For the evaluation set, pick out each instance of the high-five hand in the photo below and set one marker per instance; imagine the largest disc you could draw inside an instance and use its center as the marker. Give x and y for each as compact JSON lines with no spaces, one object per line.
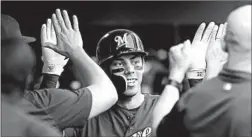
{"x":53,"y":62}
{"x":68,"y":37}
{"x":215,"y":56}
{"x":180,"y":60}
{"x":200,"y":44}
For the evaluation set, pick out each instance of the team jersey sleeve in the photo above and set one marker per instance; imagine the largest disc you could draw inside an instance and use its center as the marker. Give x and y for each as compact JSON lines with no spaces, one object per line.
{"x":68,"y":108}
{"x":40,"y":129}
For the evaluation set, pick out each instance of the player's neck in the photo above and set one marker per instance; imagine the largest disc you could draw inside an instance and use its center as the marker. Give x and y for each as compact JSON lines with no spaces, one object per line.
{"x":239,"y":64}
{"x":131,"y":102}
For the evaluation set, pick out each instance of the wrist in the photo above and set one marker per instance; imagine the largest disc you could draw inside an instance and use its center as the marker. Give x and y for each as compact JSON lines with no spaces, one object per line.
{"x":76,"y":52}
{"x":177,"y":75}
{"x":195,"y":73}
{"x":211,"y":72}
{"x":54,"y":69}
{"x":174,"y":83}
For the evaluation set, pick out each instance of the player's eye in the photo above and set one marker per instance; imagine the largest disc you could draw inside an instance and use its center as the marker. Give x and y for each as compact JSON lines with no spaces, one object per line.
{"x":117,"y":67}
{"x":117,"y":64}
{"x":137,"y":63}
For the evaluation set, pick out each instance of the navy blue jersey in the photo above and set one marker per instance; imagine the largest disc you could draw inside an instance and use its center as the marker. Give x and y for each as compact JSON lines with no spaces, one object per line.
{"x":118,"y":122}
{"x":61,"y":108}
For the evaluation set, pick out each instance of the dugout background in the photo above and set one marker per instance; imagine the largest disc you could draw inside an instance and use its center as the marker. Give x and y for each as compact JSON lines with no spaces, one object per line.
{"x":159,"y":24}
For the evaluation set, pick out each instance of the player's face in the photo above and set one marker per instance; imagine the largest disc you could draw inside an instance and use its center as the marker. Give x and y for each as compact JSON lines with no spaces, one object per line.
{"x":130,"y":67}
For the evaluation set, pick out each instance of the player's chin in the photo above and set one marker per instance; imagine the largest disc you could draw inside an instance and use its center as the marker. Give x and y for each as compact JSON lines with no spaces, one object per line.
{"x":130,"y":92}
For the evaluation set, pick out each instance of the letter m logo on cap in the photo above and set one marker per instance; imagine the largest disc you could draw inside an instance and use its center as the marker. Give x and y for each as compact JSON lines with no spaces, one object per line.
{"x":126,"y":41}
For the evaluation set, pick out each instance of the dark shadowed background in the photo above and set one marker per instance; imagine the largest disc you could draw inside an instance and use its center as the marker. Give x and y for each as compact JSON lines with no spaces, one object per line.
{"x":159,"y":24}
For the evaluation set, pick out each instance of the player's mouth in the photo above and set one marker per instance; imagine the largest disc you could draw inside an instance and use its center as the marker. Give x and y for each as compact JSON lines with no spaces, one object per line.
{"x":131,"y":81}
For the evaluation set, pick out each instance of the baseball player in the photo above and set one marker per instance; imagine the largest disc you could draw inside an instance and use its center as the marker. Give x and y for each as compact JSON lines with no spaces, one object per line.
{"x":63,"y":108}
{"x":120,"y":52}
{"x":17,"y":61}
{"x":220,"y":106}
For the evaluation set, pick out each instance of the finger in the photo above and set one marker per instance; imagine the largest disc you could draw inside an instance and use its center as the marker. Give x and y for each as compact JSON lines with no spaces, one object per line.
{"x":61,"y":20}
{"x":56,"y":24}
{"x":179,"y":46}
{"x":43,"y":34}
{"x":75,"y":23}
{"x":177,"y":49}
{"x":224,"y":29}
{"x":187,"y":45}
{"x":48,"y":28}
{"x":208,"y":31}
{"x":67,"y":20}
{"x":172,"y":49}
{"x":220,"y":32}
{"x":199,"y":32}
{"x":214,"y":33}
{"x":53,"y":32}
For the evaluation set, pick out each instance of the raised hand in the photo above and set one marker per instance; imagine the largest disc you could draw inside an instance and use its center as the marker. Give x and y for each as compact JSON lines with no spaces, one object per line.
{"x":68,"y":37}
{"x":53,"y":62}
{"x":180,"y":60}
{"x":215,"y":56}
{"x":200,"y":44}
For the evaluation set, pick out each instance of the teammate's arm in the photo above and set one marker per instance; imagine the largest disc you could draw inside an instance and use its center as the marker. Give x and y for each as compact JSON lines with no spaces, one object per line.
{"x":53,"y":62}
{"x":172,"y":125}
{"x":74,"y":108}
{"x":180,"y":60}
{"x":40,"y":129}
{"x":197,"y":69}
{"x":69,"y":43}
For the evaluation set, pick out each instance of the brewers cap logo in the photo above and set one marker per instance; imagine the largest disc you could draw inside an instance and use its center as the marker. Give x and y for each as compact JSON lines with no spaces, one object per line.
{"x":118,"y":42}
{"x":126,"y":41}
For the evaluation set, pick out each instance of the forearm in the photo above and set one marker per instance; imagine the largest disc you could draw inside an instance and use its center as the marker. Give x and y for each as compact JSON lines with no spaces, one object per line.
{"x":172,"y":125}
{"x":89,"y":71}
{"x":49,"y":81}
{"x":167,"y":100}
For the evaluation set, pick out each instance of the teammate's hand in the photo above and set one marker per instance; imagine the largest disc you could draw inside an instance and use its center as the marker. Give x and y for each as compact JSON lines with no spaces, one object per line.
{"x":199,"y":46}
{"x":215,"y":56}
{"x":180,"y":60}
{"x":68,"y":37}
{"x":53,"y":62}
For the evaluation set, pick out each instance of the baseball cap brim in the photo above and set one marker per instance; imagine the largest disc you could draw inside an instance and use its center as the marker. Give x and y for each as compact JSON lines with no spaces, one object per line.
{"x":28,"y":39}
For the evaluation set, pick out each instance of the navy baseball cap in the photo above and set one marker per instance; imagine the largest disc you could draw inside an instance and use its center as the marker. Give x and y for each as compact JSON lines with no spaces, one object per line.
{"x":10,"y":30}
